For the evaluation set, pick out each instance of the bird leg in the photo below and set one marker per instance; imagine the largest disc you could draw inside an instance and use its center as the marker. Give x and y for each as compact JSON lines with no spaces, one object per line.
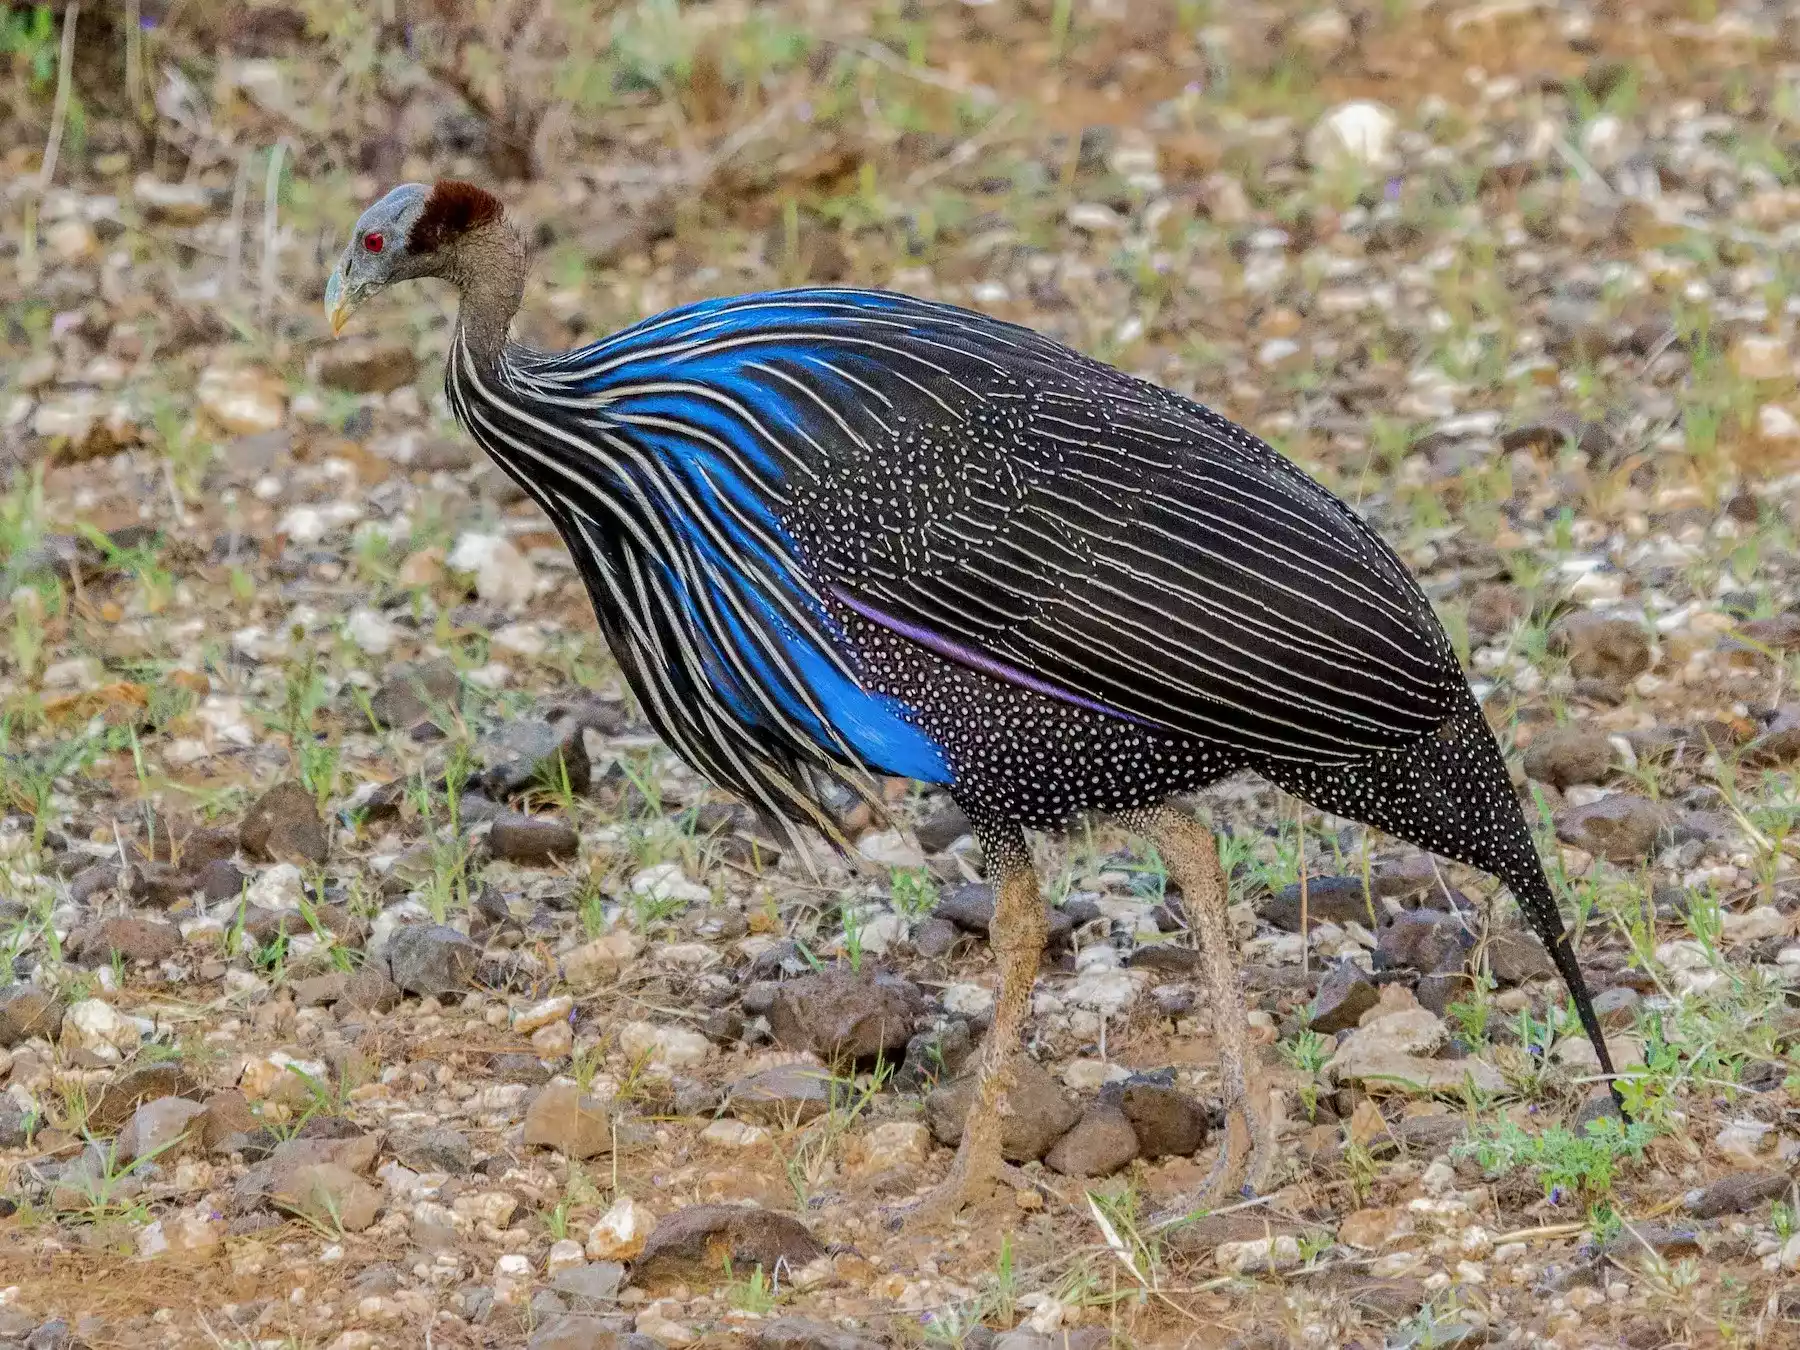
{"x":1017,"y":935}
{"x":1188,"y":851}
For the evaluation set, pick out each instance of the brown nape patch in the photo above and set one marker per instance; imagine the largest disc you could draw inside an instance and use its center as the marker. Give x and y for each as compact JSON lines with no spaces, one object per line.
{"x":451,"y":211}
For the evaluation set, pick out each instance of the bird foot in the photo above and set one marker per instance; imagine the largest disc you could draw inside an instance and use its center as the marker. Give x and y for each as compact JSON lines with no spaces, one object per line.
{"x":963,"y":1189}
{"x":1242,"y":1169}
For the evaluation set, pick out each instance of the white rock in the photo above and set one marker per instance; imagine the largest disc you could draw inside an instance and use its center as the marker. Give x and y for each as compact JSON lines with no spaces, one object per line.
{"x":594,"y":962}
{"x":281,"y":888}
{"x":370,"y":630}
{"x":688,"y":955}
{"x":543,"y":1014}
{"x":1576,"y":1052}
{"x":512,"y":1279}
{"x":1097,"y":956}
{"x":658,"y":1326}
{"x":1746,"y":1140}
{"x":1095,"y":218}
{"x":1776,"y":423}
{"x":1087,"y":1075}
{"x":891,"y":848}
{"x":1790,"y":1253}
{"x":968,"y":1000}
{"x":565,"y":1254}
{"x":309,"y":524}
{"x":1105,"y":991}
{"x":72,"y":241}
{"x":1765,"y":921}
{"x":243,"y":401}
{"x":666,"y":881}
{"x":1258,"y":1254}
{"x":880,"y":932}
{"x":521,"y":639}
{"x":97,"y":1027}
{"x":667,"y":1047}
{"x":618,"y":1234}
{"x":729,"y":1133}
{"x":223,"y":715}
{"x":503,"y":575}
{"x":895,"y":1143}
{"x":1358,"y":134}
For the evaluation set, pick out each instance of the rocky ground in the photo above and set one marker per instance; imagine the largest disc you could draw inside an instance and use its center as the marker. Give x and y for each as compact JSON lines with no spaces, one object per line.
{"x":378,"y":980}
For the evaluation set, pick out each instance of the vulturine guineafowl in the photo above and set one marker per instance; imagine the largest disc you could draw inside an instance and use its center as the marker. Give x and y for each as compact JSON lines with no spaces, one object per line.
{"x":832,"y":533}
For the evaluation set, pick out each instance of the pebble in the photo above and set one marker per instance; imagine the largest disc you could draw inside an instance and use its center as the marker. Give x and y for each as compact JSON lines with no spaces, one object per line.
{"x":1355,"y":135}
{"x":503,"y":575}
{"x":619,"y":1234}
{"x":576,"y":1126}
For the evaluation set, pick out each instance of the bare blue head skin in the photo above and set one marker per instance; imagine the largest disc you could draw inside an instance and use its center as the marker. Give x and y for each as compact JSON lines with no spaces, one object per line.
{"x":378,"y":252}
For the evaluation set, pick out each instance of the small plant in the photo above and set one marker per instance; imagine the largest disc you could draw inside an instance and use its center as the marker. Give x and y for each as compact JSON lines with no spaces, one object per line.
{"x":1566,"y":1163}
{"x":753,"y":1294}
{"x":1309,"y":1052}
{"x":913,"y":892}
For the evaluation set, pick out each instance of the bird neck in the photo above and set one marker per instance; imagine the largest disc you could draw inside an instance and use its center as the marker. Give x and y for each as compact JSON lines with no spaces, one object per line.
{"x":488,"y":271}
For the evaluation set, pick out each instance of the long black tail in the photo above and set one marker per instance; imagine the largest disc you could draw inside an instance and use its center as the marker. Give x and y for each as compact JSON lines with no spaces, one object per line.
{"x":1450,"y":793}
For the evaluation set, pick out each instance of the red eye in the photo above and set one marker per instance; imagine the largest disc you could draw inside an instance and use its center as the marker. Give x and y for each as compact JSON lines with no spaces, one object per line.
{"x":373,"y":241}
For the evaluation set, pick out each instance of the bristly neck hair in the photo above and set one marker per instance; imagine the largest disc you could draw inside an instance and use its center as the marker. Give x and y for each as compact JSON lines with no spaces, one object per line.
{"x":483,"y":256}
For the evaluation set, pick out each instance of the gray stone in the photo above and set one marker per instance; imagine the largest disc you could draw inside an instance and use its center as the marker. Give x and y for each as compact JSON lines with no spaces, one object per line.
{"x":590,"y":1286}
{"x":803,"y":1333}
{"x":411,"y":693}
{"x":441,"y":1149}
{"x":1621,"y":828}
{"x":1345,"y":994}
{"x":790,"y":1094}
{"x":1328,"y":900}
{"x":432,"y":958}
{"x":535,"y":752}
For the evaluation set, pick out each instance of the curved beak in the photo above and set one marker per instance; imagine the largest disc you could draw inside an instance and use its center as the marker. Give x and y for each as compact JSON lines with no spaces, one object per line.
{"x":339,"y":302}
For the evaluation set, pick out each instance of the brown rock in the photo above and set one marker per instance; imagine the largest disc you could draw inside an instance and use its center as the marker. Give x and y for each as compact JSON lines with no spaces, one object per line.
{"x":327,"y":1194}
{"x":227,"y":1114}
{"x":1515,"y":957}
{"x":1779,"y":741}
{"x":319,"y":991}
{"x":25,"y":1011}
{"x":1738,"y":1193}
{"x":1100,"y":1144}
{"x":560,"y":1118}
{"x":693,"y":1244}
{"x":1039,"y":1112}
{"x":133,"y":1088}
{"x":1603,"y":647}
{"x":532,"y":840}
{"x":134,"y":939}
{"x":284,"y":826}
{"x":366,"y":366}
{"x":577,"y":1331}
{"x":1565,"y":755}
{"x":1621,"y":828}
{"x":1167,"y":1122}
{"x":1495,"y":608}
{"x":369,"y":988}
{"x":845,"y":1017}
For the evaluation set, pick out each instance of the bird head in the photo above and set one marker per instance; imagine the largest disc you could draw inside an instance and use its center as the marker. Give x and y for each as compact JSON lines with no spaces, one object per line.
{"x":414,"y":231}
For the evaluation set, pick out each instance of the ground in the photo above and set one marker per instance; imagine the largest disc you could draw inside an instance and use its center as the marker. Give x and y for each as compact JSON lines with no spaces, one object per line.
{"x":378,"y":979}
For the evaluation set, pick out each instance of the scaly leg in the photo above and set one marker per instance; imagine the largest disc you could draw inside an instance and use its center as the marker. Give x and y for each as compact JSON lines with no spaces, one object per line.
{"x":1188,"y":851}
{"x":1017,"y":935}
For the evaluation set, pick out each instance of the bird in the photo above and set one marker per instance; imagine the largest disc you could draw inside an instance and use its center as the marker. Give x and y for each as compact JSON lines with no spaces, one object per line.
{"x":833,"y":533}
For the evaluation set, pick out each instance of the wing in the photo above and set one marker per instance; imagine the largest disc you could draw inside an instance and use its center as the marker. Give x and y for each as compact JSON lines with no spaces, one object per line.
{"x":1034,"y":514}
{"x":1059,"y":524}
